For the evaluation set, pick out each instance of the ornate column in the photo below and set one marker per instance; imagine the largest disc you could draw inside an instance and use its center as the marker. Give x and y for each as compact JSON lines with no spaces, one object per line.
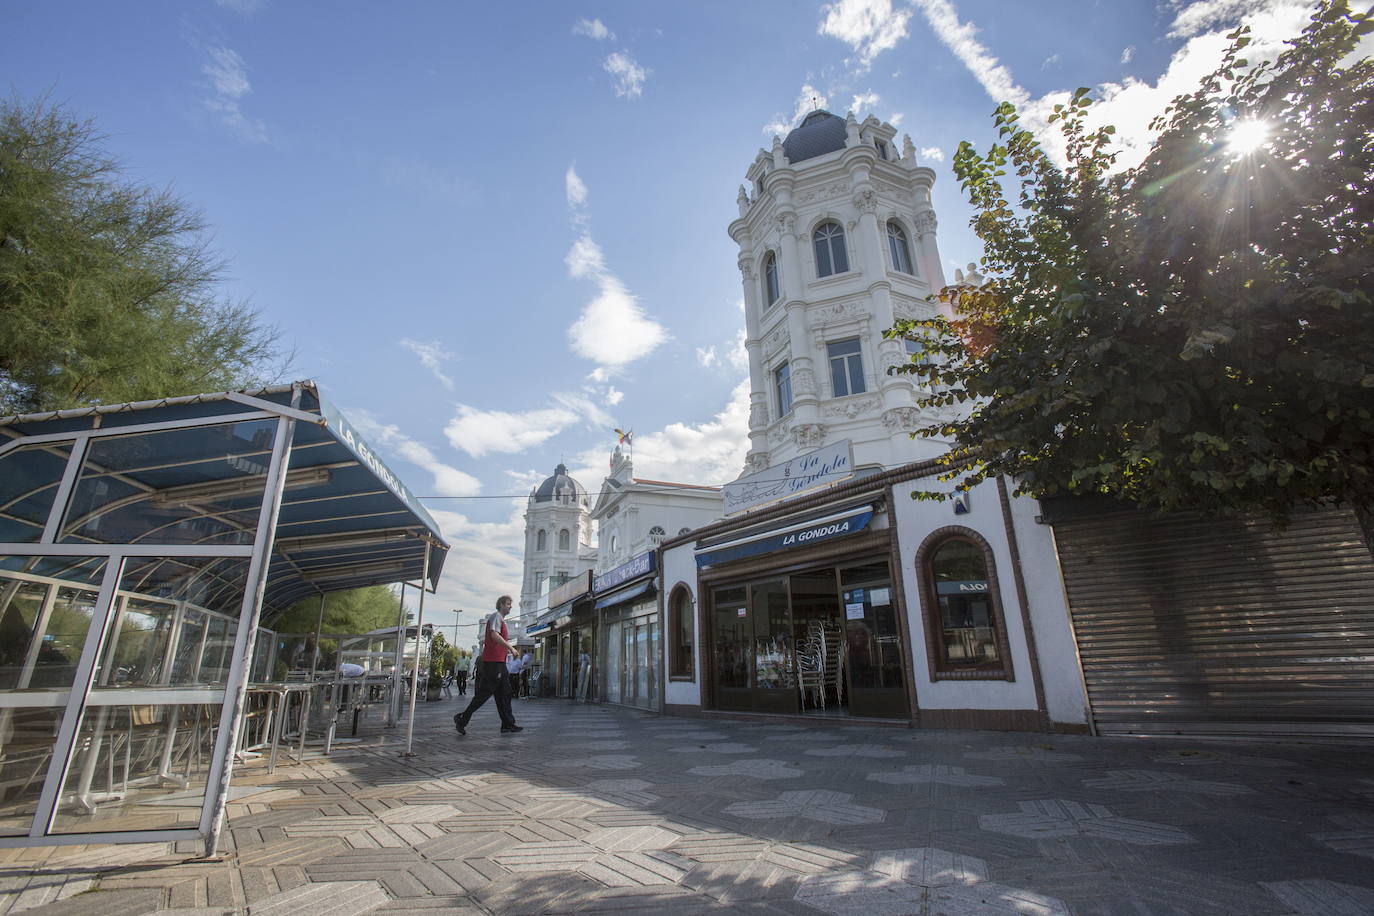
{"x":928,"y":251}
{"x":758,"y":387}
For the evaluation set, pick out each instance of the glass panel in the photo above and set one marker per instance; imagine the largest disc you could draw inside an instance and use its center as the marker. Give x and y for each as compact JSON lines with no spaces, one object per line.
{"x":823,"y":265}
{"x":784,"y":384}
{"x":682,"y":628}
{"x":29,"y":477}
{"x":732,"y":648}
{"x":968,"y":625}
{"x":614,"y":658}
{"x":773,"y":668}
{"x":837,"y":251}
{"x":643,"y":665}
{"x":44,"y":624}
{"x":875,"y":649}
{"x":200,"y":485}
{"x":147,"y":731}
{"x":139,"y":766}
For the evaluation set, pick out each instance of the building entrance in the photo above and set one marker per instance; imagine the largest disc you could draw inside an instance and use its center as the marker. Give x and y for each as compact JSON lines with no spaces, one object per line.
{"x":816,"y":642}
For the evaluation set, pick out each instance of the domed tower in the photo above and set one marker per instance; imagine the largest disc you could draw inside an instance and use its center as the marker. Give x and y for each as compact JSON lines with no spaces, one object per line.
{"x":836,"y":239}
{"x":558,"y":535}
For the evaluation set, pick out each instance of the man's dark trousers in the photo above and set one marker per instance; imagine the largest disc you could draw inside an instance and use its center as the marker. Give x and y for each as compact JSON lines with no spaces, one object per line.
{"x":492,"y":678}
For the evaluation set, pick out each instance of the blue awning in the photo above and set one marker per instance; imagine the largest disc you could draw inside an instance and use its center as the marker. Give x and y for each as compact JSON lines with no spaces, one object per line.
{"x":626,"y":594}
{"x":798,"y":535}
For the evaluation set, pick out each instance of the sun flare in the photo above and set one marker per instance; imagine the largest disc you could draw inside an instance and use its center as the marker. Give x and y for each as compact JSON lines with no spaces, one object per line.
{"x":1247,"y":137}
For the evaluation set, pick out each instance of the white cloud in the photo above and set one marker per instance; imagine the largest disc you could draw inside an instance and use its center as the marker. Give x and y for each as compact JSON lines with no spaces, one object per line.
{"x":432,"y":355}
{"x":896,"y":119}
{"x":1127,"y":54}
{"x":707,"y":356}
{"x":1051,"y":61}
{"x":1131,"y":104}
{"x":229,"y":84}
{"x":574,"y":188}
{"x":933,"y":153}
{"x":478,"y":432}
{"x":733,"y":355}
{"x":808,"y":99}
{"x":612,"y":330}
{"x":448,"y":480}
{"x":707,"y":453}
{"x":485,"y":560}
{"x":629,"y":75}
{"x":593,"y":29}
{"x":613,"y":395}
{"x":869,"y":27}
{"x":864,"y":102}
{"x":738,"y":355}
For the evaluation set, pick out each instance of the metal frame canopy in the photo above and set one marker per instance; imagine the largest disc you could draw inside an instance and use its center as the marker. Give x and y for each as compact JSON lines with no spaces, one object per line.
{"x":140,"y":547}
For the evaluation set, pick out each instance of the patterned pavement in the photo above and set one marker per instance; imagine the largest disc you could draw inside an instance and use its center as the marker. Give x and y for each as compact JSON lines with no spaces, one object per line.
{"x":599,"y":809}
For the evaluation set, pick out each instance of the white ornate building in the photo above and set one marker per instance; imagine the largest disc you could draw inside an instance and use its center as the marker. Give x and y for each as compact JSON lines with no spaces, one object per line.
{"x":558,"y":536}
{"x":836,"y":239}
{"x":633,"y":515}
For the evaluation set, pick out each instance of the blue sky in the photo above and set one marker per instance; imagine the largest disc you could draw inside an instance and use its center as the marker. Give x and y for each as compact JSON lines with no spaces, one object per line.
{"x":493,"y":232}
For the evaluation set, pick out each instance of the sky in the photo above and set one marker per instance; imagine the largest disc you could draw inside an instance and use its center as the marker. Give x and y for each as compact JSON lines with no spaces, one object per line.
{"x":494,"y":232}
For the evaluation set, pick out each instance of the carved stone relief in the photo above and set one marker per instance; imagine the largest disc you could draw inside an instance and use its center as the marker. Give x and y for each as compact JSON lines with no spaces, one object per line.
{"x":746,"y":268}
{"x":787,"y":223}
{"x":755,"y":462}
{"x":866,"y":201}
{"x":835,"y":314}
{"x":758,"y":415}
{"x":823,"y":193}
{"x":904,"y":419}
{"x":853,"y":409}
{"x":808,"y":435}
{"x":803,"y":382}
{"x":778,"y":434}
{"x":775,"y":341}
{"x":891,"y":190}
{"x":925,"y":222}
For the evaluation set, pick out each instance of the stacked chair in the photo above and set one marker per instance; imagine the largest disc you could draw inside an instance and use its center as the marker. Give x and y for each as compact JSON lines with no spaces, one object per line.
{"x":820,"y":661}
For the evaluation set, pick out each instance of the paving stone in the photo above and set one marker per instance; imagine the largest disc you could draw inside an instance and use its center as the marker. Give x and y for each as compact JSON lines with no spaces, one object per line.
{"x":343,"y":898}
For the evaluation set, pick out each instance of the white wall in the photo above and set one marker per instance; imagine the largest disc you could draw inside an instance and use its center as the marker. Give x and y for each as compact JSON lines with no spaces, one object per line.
{"x":680,"y":566}
{"x":915,"y":520}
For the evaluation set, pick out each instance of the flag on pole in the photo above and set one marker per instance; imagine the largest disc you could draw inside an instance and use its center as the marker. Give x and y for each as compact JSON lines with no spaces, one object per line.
{"x":626,"y":437}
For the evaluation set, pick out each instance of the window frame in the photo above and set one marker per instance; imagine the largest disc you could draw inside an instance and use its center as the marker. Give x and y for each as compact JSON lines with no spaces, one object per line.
{"x":680,"y":599}
{"x":835,"y":248}
{"x":850,"y":370}
{"x":772,"y":282}
{"x":940,"y":670}
{"x":899,"y":243}
{"x":782,"y":379}
{"x":564,"y":539}
{"x":541,"y":540}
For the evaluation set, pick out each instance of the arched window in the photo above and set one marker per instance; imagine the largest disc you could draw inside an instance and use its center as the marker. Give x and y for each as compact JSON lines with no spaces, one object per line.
{"x":564,"y":540}
{"x":771,"y":288}
{"x":541,"y":541}
{"x":683,"y":531}
{"x":657,"y":534}
{"x":831,"y":257}
{"x":966,"y":633}
{"x":681,"y":635}
{"x":898,"y":248}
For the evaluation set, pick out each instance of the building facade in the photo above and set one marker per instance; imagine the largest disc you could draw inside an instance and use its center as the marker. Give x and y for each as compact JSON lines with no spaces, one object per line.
{"x":558,"y":538}
{"x":837,"y":238}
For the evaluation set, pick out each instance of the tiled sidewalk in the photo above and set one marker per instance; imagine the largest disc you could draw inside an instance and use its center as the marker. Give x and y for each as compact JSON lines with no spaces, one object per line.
{"x":597,"y":809}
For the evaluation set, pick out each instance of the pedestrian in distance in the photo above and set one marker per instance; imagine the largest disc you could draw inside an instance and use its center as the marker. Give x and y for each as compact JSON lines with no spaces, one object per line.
{"x":461,"y":672}
{"x":492,"y":677}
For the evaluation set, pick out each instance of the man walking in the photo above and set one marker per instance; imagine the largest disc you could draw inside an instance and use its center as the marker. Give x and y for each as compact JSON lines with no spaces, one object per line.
{"x":463,"y":665}
{"x":492,"y":677}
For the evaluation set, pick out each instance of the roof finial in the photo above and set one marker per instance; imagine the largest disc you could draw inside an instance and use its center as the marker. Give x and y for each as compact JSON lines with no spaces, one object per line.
{"x":815,"y":103}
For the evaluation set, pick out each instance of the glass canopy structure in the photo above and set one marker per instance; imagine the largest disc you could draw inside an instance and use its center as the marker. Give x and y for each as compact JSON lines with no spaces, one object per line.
{"x":141,"y":548}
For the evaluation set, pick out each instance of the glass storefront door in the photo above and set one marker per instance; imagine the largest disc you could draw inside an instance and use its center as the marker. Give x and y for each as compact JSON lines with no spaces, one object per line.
{"x":842,"y":619}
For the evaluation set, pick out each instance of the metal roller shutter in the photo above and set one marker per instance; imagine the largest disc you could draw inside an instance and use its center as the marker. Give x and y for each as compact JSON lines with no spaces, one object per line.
{"x":1222,"y":626}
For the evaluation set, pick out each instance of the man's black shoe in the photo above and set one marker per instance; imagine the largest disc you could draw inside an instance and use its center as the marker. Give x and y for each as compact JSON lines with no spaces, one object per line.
{"x":459,"y":724}
{"x":511,"y":729}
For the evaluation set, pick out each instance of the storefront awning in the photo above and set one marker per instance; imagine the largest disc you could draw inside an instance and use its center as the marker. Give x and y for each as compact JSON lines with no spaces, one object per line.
{"x":625,"y":594}
{"x":802,"y":534}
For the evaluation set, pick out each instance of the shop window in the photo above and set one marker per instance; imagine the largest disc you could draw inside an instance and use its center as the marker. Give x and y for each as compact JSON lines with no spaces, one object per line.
{"x":831,"y":257}
{"x":564,"y":539}
{"x":772,"y":290}
{"x":541,"y":540}
{"x":966,"y":635}
{"x":846,"y":367}
{"x":681,"y":630}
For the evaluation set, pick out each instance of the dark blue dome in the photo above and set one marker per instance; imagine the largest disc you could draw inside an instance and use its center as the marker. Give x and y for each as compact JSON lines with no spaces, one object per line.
{"x":560,"y":479}
{"x":819,"y":133}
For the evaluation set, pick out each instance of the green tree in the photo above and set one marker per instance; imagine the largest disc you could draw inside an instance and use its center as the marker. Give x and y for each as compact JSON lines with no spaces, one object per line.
{"x":108,"y":291}
{"x":356,"y":610}
{"x":1192,"y":333}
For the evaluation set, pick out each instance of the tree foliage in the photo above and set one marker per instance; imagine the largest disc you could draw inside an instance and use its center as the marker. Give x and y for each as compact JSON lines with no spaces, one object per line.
{"x":108,"y":292}
{"x":356,"y":610}
{"x":1194,"y":332}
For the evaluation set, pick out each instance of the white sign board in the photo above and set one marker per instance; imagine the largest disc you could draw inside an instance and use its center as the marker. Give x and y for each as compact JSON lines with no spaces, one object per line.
{"x":824,"y":466}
